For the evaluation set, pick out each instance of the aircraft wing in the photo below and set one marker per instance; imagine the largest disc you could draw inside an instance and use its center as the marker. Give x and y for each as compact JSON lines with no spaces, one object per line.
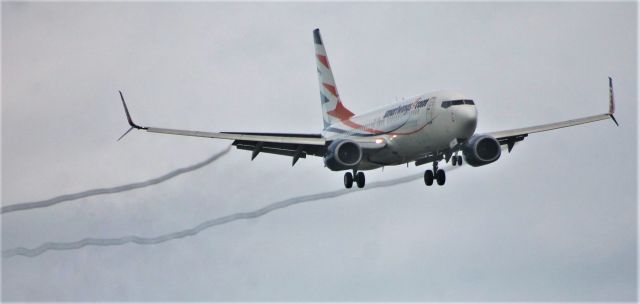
{"x":510,"y":137}
{"x":289,"y":144}
{"x":278,"y":138}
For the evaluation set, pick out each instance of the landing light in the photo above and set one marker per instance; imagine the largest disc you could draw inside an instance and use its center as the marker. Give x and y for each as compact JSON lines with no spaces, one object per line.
{"x":379,"y":140}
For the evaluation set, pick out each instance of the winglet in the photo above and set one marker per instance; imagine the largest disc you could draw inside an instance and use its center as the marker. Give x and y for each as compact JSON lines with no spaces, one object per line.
{"x":612,"y":102}
{"x":131,"y":123}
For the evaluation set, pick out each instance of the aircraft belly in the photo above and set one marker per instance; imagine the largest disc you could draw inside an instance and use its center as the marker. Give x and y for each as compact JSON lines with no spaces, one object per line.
{"x":373,"y":159}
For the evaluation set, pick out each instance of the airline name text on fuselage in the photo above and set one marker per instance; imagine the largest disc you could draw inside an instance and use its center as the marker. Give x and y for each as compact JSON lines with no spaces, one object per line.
{"x":406,"y":108}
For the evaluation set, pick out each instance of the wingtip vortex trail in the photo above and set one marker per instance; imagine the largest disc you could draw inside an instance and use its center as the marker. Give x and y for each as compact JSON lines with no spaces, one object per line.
{"x":34,"y":252}
{"x":100,"y":191}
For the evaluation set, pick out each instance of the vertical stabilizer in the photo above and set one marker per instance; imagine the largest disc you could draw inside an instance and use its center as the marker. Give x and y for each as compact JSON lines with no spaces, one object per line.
{"x":332,"y":108}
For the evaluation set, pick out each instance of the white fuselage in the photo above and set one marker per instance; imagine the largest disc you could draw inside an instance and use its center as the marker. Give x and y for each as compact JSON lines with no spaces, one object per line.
{"x":412,"y":128}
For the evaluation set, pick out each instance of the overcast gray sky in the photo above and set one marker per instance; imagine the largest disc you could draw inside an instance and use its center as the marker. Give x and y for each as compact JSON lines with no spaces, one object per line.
{"x":554,"y":220}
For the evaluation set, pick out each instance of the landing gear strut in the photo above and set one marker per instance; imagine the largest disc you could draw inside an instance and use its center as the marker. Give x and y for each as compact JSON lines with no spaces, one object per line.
{"x":349,"y":178}
{"x":439,"y":175}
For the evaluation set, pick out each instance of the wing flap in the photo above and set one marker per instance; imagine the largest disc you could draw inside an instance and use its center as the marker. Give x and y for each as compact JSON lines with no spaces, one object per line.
{"x":271,"y":150}
{"x":287,"y":144}
{"x":281,"y":148}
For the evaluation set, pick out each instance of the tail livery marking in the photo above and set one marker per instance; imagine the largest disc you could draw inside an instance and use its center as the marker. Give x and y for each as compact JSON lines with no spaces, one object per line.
{"x":340,"y":112}
{"x":323,"y":60}
{"x":331,"y":89}
{"x":333,"y":110}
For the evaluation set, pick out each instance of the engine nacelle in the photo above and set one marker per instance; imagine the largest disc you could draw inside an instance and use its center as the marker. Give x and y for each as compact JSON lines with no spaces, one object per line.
{"x":481,"y":150}
{"x":343,"y":155}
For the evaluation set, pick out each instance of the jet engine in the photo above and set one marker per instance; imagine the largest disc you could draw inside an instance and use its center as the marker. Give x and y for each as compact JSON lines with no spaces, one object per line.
{"x":343,"y":155}
{"x":481,"y":150}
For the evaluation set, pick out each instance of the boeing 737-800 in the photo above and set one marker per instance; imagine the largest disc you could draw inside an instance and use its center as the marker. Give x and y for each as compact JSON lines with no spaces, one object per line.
{"x":422,"y":129}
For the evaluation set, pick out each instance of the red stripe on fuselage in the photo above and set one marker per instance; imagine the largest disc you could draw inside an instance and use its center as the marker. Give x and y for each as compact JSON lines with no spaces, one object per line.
{"x":354,"y":125}
{"x":412,"y":132}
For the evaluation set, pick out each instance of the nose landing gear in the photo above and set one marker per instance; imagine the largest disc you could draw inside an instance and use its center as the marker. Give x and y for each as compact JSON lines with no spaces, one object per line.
{"x":439,"y":175}
{"x":456,"y":160}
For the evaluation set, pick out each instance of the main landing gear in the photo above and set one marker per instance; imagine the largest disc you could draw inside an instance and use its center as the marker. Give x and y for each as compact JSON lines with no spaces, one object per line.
{"x":439,"y":175}
{"x":349,"y":178}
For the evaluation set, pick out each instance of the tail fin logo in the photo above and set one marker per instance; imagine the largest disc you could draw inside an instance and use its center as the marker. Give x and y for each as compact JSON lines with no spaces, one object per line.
{"x":323,"y":59}
{"x":333,"y":110}
{"x":340,"y":112}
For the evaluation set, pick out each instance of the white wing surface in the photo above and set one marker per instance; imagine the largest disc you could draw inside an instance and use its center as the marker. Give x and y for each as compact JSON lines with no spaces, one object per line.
{"x":510,"y":137}
{"x":289,"y":144}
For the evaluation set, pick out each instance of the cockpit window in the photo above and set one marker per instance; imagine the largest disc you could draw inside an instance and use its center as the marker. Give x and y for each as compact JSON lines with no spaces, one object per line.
{"x":446,"y":104}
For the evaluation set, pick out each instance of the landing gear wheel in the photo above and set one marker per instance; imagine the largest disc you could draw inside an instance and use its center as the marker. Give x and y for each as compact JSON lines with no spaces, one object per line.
{"x":440,"y":177}
{"x":454,"y":161}
{"x":428,"y":177}
{"x":459,"y":160}
{"x":348,"y":180}
{"x":360,"y":179}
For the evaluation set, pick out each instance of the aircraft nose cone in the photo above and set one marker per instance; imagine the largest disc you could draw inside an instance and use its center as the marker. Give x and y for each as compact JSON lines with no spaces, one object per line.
{"x":467,"y":119}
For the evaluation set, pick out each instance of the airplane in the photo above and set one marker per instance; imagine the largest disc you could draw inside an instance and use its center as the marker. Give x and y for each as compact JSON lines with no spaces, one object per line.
{"x":423,"y":129}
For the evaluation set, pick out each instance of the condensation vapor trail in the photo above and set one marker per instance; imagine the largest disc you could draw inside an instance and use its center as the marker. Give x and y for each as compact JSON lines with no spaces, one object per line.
{"x":203,"y":226}
{"x":122,"y":188}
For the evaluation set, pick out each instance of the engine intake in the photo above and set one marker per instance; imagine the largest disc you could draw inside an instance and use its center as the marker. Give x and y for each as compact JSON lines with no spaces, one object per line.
{"x":343,"y":155}
{"x":481,"y":150}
